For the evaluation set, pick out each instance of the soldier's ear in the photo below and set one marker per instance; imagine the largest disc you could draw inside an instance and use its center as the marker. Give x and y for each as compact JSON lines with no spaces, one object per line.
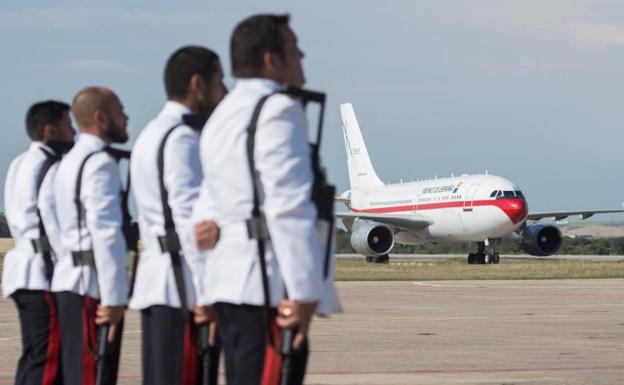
{"x":196,"y":85}
{"x":49,"y":132}
{"x":272,"y":64}
{"x":100,"y":119}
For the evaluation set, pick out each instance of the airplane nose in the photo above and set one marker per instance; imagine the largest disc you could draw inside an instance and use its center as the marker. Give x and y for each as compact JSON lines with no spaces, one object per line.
{"x":516,"y":209}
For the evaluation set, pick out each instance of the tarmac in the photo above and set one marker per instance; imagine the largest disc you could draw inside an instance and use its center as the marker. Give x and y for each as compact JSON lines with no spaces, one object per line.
{"x":443,"y":332}
{"x":442,"y":257}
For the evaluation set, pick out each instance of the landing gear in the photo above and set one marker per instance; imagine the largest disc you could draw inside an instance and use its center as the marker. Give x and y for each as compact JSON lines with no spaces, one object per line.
{"x":381,"y":259}
{"x":486,"y":253}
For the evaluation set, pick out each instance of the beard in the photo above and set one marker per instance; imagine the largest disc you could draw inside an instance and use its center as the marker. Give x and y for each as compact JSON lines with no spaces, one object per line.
{"x":117,"y":133}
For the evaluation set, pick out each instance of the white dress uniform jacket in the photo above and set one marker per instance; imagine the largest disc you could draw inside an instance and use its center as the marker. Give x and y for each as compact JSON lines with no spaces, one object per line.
{"x":155,"y":282}
{"x":23,"y":268}
{"x":100,"y":229}
{"x":295,"y":251}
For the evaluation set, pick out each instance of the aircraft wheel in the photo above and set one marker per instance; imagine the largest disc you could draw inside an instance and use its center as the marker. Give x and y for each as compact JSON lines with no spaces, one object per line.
{"x":471,"y":259}
{"x":487,"y":258}
{"x":496,"y":258}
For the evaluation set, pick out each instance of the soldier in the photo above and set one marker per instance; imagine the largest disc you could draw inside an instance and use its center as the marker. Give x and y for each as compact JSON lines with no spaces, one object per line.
{"x":90,"y":281}
{"x":166,"y":175}
{"x":247,"y":287}
{"x":28,"y":267}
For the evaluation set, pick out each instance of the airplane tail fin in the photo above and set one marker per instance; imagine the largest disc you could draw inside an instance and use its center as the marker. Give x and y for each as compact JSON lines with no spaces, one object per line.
{"x":361,"y":171}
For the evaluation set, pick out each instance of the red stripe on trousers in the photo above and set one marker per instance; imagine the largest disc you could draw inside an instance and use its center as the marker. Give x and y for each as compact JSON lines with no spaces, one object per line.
{"x":50,"y":371}
{"x":190,"y":358}
{"x":89,"y":306}
{"x":272,"y":359}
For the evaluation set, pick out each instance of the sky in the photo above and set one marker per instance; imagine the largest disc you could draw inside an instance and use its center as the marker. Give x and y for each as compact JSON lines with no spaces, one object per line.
{"x":531,"y":90}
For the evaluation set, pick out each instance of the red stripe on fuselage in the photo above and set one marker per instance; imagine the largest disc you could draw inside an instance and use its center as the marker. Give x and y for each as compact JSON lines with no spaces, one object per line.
{"x":515,"y":208}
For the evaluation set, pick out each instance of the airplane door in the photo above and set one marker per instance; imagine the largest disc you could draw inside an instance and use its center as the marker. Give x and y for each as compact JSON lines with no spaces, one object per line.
{"x":469,"y":198}
{"x":415,"y":205}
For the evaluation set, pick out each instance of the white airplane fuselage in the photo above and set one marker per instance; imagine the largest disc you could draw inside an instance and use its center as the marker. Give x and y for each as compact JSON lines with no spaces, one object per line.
{"x":464,"y":208}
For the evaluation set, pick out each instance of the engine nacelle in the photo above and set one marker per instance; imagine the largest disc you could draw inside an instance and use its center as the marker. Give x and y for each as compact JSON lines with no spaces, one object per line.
{"x":541,"y":240}
{"x":371,"y":238}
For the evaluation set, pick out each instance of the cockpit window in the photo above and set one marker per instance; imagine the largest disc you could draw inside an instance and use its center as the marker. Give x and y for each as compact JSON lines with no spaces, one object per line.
{"x":509,"y":194}
{"x":493,"y":194}
{"x":499,"y":193}
{"x":519,"y":194}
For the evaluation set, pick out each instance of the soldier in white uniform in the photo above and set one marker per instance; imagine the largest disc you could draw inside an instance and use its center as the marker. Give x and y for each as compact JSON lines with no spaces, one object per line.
{"x":193,"y":82}
{"x":90,"y":280}
{"x":27,"y":267}
{"x":265,"y":58}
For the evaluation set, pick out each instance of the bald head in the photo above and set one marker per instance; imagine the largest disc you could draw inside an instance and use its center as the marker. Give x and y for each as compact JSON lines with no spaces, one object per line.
{"x":99,"y":111}
{"x":88,"y":101}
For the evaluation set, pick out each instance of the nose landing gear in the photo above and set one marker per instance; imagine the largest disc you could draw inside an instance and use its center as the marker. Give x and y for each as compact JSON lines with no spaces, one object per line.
{"x":486,"y":253}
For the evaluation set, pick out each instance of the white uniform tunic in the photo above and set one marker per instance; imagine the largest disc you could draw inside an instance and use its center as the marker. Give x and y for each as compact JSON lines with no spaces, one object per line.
{"x":295,"y":252}
{"x":155,"y":283}
{"x":101,"y":225}
{"x":22,"y":267}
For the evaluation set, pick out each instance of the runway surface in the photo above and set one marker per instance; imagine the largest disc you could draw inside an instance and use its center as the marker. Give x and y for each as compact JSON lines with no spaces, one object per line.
{"x":434,"y":257}
{"x":443,"y":332}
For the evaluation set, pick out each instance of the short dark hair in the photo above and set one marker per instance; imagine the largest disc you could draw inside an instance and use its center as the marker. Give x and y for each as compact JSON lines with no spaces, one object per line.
{"x":253,"y":37}
{"x":42,"y":113}
{"x":183,"y":64}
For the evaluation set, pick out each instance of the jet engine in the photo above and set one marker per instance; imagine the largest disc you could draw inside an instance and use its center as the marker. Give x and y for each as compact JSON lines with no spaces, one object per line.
{"x":371,"y":238}
{"x":541,"y":240}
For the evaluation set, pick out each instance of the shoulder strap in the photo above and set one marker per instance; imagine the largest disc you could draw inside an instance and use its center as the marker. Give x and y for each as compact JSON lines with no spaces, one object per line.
{"x":257,"y":221}
{"x":43,"y":243}
{"x":170,"y":242}
{"x":77,"y":192}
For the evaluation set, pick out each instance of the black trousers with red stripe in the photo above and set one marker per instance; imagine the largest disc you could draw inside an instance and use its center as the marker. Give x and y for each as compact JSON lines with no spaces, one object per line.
{"x":39,"y":363}
{"x":243,"y":332}
{"x":170,"y":355}
{"x":78,"y":341}
{"x":242,"y":329}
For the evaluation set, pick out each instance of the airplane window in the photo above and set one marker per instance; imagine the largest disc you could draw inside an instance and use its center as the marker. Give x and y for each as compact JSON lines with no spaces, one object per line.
{"x":519,"y":194}
{"x":499,"y":193}
{"x":493,"y":194}
{"x":508,"y":194}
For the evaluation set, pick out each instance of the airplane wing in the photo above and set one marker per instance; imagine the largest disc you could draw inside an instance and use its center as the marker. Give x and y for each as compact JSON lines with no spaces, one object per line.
{"x":399,"y":222}
{"x":559,"y":215}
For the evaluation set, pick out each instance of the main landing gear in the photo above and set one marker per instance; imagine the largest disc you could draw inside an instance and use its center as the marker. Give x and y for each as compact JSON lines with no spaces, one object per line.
{"x":486,"y":253}
{"x":380,"y":259}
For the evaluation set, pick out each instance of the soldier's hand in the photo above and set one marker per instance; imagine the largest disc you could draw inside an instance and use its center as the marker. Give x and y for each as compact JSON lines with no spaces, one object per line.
{"x":206,"y":234}
{"x":204,"y":314}
{"x":111,"y":315}
{"x":291,"y":314}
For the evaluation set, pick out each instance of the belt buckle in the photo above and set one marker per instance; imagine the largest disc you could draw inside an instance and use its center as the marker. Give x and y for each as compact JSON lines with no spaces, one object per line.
{"x":83,"y":258}
{"x":257,"y":228}
{"x":170,"y":242}
{"x":41,"y":245}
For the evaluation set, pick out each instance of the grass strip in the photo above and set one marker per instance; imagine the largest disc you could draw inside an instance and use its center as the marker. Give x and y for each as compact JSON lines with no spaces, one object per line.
{"x":459,"y":269}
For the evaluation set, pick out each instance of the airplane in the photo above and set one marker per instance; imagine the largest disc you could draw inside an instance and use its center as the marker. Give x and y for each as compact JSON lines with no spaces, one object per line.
{"x":469,"y":208}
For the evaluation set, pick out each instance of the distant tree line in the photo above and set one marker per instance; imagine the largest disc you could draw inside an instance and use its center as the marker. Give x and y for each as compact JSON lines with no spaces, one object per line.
{"x":571,"y":246}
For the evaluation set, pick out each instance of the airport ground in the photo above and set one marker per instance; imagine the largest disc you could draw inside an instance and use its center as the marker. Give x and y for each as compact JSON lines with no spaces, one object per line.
{"x":442,"y":332}
{"x":433,"y":319}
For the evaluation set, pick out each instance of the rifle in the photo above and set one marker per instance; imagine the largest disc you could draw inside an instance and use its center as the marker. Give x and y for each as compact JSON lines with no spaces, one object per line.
{"x":293,"y":361}
{"x":101,"y":351}
{"x":170,"y":243}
